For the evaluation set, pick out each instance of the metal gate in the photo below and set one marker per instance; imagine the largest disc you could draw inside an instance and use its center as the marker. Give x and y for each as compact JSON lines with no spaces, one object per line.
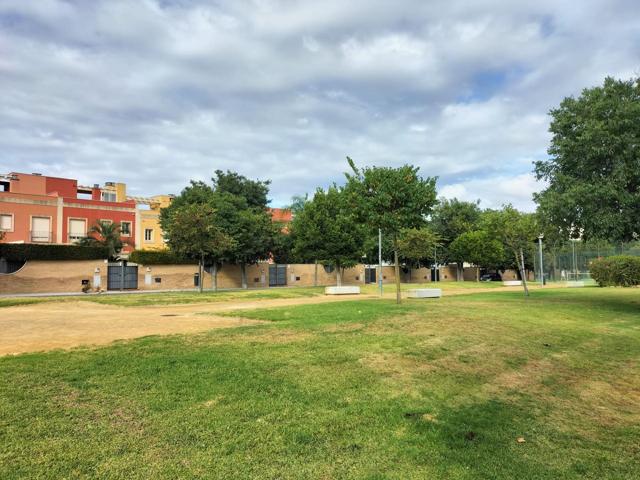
{"x":277,"y":275}
{"x":121,"y":276}
{"x":370,"y":275}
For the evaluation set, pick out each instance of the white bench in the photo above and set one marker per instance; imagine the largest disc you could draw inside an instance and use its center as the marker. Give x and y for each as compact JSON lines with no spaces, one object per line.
{"x":512,"y":283}
{"x":575,"y":283}
{"x":424,"y":293}
{"x":349,"y":290}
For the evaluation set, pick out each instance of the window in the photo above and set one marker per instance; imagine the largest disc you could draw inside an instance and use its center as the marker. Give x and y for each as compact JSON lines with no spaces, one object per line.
{"x":125,"y":229}
{"x":77,"y":229}
{"x":148,"y":235}
{"x":106,"y":221}
{"x":108,"y":196}
{"x":6,"y":222}
{"x":40,"y":229}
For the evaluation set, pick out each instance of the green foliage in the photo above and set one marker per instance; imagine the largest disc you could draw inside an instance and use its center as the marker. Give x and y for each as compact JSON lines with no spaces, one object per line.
{"x":452,"y":218}
{"x":20,"y":252}
{"x":282,"y":248}
{"x":192,"y":231}
{"x":107,"y":235}
{"x":516,"y":231}
{"x":415,"y":245}
{"x":253,"y":191}
{"x":478,"y":248}
{"x":298,"y":202}
{"x":327,"y":230}
{"x":618,"y":271}
{"x":594,"y":169}
{"x":392,"y":199}
{"x":158,"y":257}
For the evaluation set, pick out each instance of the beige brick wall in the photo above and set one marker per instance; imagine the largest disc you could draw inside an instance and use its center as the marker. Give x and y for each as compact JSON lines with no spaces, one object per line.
{"x":40,"y":276}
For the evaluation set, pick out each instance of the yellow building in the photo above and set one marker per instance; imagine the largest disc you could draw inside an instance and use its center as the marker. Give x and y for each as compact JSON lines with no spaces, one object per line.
{"x":149,"y":235}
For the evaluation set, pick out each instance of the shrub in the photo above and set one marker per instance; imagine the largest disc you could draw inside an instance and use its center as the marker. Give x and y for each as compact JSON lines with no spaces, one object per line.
{"x":21,"y":252}
{"x":158,"y":257}
{"x":620,"y":271}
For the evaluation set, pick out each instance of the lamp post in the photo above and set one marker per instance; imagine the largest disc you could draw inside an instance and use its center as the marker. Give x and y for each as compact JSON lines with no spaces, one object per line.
{"x":540,"y":237}
{"x":380,"y":260}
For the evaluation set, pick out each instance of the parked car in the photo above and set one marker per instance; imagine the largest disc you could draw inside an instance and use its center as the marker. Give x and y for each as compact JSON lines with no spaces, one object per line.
{"x":491,"y":277}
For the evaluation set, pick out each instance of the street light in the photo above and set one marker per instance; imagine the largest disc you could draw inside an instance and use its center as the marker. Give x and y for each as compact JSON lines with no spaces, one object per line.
{"x":540,"y":237}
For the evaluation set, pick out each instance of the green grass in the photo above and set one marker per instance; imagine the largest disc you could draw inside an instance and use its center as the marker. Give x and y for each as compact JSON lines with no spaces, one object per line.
{"x":172,"y":298}
{"x":367,"y":389}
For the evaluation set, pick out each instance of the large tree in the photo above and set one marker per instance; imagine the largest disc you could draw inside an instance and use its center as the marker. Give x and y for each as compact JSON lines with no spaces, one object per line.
{"x":517,"y":232}
{"x":193,"y":231}
{"x":253,"y":191}
{"x":391,"y":199}
{"x":477,"y":247}
{"x":593,"y":172}
{"x":417,"y":245}
{"x":450,"y":219}
{"x":327,"y":230}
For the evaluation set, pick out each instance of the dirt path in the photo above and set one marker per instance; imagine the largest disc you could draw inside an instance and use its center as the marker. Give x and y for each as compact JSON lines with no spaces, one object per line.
{"x":53,"y":325}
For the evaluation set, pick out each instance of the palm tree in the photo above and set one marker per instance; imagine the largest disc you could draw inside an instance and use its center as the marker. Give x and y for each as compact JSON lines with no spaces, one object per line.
{"x":104,"y":234}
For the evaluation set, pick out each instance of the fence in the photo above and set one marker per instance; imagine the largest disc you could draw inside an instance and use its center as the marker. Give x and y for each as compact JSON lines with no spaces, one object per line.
{"x":571,"y":262}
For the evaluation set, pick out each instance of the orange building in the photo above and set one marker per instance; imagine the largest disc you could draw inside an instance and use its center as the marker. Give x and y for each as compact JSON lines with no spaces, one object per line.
{"x":40,"y":209}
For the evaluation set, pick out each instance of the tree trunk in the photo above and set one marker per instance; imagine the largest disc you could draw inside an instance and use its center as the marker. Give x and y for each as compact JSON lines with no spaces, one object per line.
{"x":200,"y":273}
{"x":523,"y":274}
{"x":215,"y":276}
{"x":477,"y":274}
{"x":315,"y":275}
{"x":397,"y":271}
{"x":243,"y":275}
{"x":338,"y":275}
{"x":460,"y":272}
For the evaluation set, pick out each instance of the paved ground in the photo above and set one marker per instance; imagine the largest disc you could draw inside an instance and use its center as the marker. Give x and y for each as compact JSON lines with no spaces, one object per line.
{"x":48,"y":326}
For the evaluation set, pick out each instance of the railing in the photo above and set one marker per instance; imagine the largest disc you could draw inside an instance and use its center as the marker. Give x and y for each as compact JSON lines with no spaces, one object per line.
{"x":41,"y":237}
{"x":75,"y":238}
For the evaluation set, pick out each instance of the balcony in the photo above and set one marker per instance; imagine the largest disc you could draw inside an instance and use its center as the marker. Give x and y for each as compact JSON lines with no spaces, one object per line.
{"x":41,"y":237}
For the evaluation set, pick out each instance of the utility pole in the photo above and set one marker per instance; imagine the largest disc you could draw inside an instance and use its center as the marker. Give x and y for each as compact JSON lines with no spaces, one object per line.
{"x":380,"y":261}
{"x":540,"y":237}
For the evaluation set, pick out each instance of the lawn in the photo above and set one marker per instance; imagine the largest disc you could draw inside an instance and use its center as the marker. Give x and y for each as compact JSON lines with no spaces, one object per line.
{"x":368,"y":389}
{"x":185,"y":297}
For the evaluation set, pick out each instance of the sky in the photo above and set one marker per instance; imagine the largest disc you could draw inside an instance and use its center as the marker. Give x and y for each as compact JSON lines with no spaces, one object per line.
{"x":154,"y":93}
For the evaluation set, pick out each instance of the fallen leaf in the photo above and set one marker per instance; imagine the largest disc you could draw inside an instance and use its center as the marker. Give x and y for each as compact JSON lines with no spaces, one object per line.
{"x":520,"y":440}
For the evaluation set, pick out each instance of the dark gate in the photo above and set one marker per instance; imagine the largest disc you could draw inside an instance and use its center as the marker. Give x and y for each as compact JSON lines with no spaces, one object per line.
{"x":370,"y":275}
{"x":277,"y":275}
{"x":121,"y":276}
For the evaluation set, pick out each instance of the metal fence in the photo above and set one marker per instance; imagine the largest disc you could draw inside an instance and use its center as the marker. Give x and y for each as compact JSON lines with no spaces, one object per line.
{"x":571,"y":262}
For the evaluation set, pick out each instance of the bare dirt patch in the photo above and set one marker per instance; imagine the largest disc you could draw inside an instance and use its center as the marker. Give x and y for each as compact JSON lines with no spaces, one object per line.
{"x":63,"y":325}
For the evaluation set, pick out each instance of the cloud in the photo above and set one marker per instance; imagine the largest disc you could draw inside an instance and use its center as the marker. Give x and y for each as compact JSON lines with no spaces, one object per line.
{"x":155,"y":93}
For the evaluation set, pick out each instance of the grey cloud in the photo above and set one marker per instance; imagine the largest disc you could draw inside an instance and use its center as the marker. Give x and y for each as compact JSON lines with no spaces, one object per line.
{"x":156,"y":93}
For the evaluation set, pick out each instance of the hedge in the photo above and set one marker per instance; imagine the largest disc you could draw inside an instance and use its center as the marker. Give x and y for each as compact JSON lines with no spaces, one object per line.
{"x":21,"y":252}
{"x":618,"y":271}
{"x":158,"y":257}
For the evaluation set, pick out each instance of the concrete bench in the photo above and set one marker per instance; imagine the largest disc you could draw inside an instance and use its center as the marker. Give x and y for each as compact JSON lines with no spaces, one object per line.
{"x":424,"y":293}
{"x":350,"y":290}
{"x":512,"y":283}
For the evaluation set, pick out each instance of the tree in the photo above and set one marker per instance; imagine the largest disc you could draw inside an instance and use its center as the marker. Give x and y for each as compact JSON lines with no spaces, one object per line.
{"x":253,"y":191}
{"x":450,"y":219}
{"x":297,"y":203}
{"x":192,"y":231}
{"x":104,"y":234}
{"x":476,"y":247}
{"x":516,"y":231}
{"x":593,"y":172}
{"x":417,"y":244}
{"x":392,"y":199}
{"x":327,"y":230}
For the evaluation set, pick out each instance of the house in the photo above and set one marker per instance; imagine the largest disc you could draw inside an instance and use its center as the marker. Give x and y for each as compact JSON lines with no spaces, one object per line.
{"x":39,"y":209}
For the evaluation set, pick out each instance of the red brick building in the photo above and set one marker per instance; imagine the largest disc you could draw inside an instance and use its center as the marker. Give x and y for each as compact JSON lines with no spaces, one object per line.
{"x":40,"y":209}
